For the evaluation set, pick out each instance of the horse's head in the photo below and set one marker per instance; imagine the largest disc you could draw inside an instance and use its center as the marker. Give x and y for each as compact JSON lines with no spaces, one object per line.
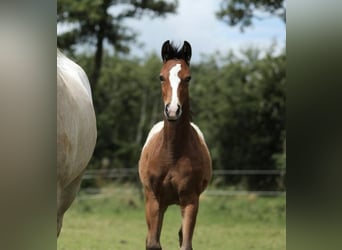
{"x":175,"y":77}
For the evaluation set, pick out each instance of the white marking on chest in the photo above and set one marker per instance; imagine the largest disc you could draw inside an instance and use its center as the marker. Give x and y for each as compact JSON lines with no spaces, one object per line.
{"x":199,"y":132}
{"x":160,"y":125}
{"x":155,"y":130}
{"x":174,"y":82}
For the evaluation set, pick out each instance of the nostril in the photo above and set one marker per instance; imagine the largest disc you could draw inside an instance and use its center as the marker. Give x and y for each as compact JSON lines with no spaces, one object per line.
{"x":167,"y":109}
{"x":178,"y":110}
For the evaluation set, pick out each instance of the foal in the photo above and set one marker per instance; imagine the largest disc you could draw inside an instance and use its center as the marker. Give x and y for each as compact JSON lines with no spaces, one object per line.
{"x":175,"y":164}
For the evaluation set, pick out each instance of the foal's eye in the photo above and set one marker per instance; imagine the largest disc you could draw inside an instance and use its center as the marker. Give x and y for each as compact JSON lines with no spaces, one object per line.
{"x":161,"y":78}
{"x":187,"y":79}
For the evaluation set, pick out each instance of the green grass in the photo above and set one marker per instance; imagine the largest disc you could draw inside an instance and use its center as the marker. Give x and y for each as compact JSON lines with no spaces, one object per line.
{"x":115,"y":220}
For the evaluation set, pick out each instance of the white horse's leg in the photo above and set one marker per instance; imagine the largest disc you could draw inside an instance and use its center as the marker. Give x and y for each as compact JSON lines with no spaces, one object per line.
{"x":64,"y":199}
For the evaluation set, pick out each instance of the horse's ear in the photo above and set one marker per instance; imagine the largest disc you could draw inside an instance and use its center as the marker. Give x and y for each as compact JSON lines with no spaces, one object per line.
{"x":165,"y":51}
{"x":186,"y":52}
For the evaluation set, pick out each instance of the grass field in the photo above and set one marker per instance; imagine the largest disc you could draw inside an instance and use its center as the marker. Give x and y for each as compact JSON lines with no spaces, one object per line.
{"x":114,"y":220}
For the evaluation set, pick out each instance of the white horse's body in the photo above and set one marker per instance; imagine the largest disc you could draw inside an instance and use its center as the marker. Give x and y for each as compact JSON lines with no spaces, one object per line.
{"x":76,"y":131}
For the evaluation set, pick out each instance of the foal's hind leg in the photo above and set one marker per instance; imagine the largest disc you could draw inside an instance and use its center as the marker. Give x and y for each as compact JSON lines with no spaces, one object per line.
{"x":189,"y":213}
{"x":154,"y":219}
{"x":180,"y":236}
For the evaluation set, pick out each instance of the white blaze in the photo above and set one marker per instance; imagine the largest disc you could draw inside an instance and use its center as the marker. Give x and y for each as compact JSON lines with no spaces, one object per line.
{"x":174,"y":81}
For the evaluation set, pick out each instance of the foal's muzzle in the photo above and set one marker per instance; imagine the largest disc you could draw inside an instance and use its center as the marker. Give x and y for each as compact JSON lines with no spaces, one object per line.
{"x":172,"y":113}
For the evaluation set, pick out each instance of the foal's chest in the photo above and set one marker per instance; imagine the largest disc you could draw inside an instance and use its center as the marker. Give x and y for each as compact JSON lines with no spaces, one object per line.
{"x":181,"y":177}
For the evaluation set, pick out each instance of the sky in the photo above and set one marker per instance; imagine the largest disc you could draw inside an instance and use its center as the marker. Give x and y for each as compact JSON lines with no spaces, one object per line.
{"x":196,"y":22}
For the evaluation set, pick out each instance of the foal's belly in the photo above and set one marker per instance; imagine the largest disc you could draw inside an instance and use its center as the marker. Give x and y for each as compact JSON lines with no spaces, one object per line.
{"x":168,"y":193}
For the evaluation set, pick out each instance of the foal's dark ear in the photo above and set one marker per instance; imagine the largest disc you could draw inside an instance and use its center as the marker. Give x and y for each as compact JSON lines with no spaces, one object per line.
{"x":166,"y":50}
{"x":186,"y":52}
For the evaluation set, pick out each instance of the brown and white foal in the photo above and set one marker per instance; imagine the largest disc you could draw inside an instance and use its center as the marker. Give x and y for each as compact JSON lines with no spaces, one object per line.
{"x":175,"y":164}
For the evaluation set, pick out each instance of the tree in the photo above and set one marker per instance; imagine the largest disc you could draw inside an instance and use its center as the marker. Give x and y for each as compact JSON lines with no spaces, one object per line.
{"x":98,"y":21}
{"x":128,"y":104}
{"x":240,"y":106}
{"x":241,"y":12}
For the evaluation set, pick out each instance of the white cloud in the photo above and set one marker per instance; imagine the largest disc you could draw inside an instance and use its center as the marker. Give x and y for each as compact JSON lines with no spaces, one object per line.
{"x":197,"y":23}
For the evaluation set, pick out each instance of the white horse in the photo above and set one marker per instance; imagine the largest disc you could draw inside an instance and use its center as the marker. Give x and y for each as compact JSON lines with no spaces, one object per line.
{"x":76,"y":131}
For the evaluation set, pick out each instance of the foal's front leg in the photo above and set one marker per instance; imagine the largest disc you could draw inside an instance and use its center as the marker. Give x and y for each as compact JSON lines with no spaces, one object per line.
{"x":154,"y":218}
{"x":189,"y":211}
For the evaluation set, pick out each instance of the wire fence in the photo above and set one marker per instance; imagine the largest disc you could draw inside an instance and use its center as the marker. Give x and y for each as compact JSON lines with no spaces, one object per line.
{"x":131,"y":175}
{"x":117,"y":173}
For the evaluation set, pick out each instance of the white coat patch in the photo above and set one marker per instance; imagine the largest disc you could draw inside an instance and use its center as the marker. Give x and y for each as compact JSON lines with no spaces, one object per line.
{"x":155,"y":130}
{"x":199,"y":132}
{"x":160,"y":125}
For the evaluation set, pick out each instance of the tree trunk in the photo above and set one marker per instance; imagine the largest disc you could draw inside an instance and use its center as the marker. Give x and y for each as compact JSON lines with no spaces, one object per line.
{"x":99,"y":45}
{"x":97,"y":60}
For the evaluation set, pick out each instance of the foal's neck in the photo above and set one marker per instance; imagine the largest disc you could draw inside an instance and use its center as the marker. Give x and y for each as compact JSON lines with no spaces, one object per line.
{"x":177,"y":133}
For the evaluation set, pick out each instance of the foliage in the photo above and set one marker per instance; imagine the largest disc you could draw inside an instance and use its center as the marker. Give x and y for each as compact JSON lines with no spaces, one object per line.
{"x":127,"y":103}
{"x":88,"y":18}
{"x":241,"y":12}
{"x":96,"y":22}
{"x":239,"y":104}
{"x":243,"y":113}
